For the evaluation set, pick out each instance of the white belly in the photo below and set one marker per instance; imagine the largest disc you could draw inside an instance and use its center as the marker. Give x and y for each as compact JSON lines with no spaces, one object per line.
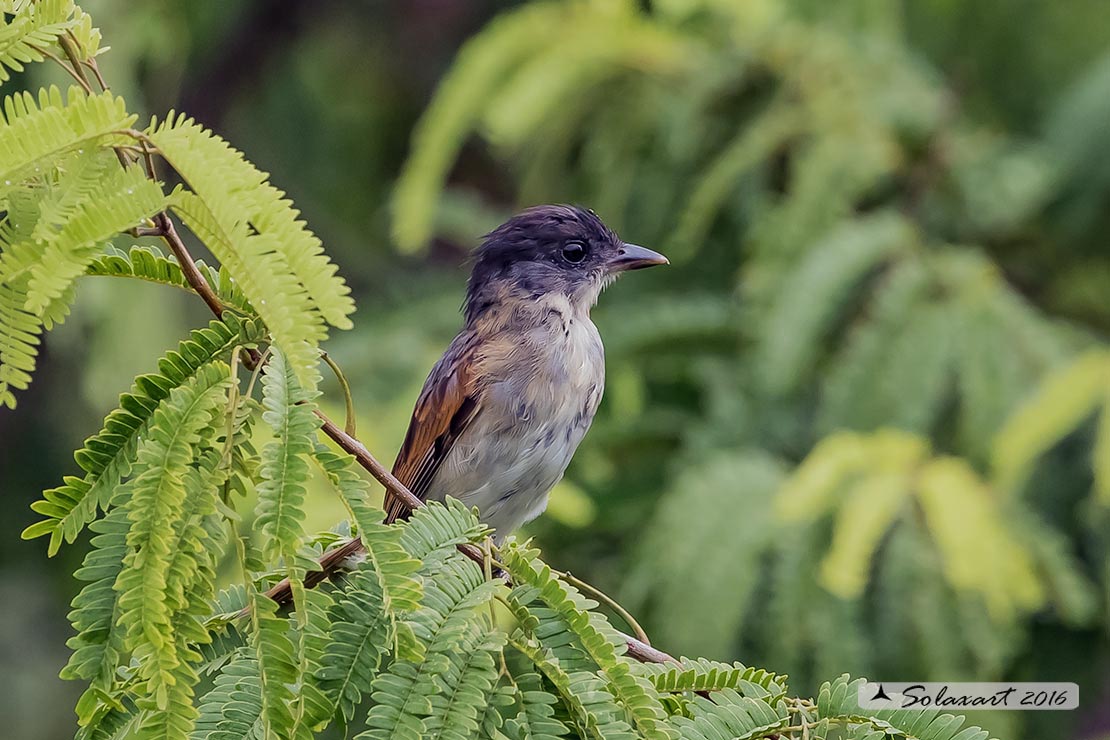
{"x":528,"y":428}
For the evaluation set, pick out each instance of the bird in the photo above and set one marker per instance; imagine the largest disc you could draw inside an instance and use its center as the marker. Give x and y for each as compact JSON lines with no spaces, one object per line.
{"x":503,"y":411}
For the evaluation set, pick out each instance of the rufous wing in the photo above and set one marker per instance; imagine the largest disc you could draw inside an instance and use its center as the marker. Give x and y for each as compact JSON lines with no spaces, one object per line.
{"x":447,"y":405}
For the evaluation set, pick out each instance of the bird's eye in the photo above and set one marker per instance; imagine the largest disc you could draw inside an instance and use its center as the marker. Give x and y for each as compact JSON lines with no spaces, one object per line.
{"x":574,"y":252}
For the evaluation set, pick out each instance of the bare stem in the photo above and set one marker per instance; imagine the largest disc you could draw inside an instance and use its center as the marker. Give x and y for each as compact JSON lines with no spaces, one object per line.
{"x":188,"y":266}
{"x":348,"y":400}
{"x":608,"y":601}
{"x":69,"y":70}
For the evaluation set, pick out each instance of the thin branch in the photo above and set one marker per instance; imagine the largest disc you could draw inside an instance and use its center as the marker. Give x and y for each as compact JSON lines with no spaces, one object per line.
{"x":69,"y":46}
{"x":92,"y":65}
{"x":188,"y":267}
{"x":609,"y":601}
{"x":353,"y":447}
{"x":69,"y":70}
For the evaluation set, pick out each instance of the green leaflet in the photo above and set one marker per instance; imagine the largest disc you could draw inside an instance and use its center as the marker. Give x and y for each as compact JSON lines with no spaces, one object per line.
{"x":97,"y":646}
{"x":117,"y":720}
{"x":368,"y":617}
{"x":255,"y":233}
{"x":701,"y":674}
{"x":592,"y":708}
{"x":107,"y":457}
{"x":19,"y":340}
{"x":404,"y":695}
{"x":534,"y":717}
{"x":34,"y":133}
{"x":232,"y":709}
{"x":38,"y":26}
{"x":161,"y":489}
{"x":358,"y":641}
{"x":50,"y":233}
{"x":435,"y":529}
{"x":124,"y":198}
{"x":466,"y":686}
{"x":148,"y":263}
{"x":600,"y":642}
{"x":278,"y":668}
{"x":731,"y":714}
{"x":285,"y":467}
{"x":312,"y":707}
{"x":343,"y":472}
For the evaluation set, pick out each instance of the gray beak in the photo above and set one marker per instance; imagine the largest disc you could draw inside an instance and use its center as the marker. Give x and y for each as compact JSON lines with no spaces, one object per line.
{"x":635,"y":257}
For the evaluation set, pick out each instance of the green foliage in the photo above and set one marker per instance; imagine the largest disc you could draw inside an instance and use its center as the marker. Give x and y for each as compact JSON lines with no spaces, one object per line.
{"x":255,"y":232}
{"x":107,"y":457}
{"x":855,"y":447}
{"x":25,"y":35}
{"x":285,"y":461}
{"x":148,"y":263}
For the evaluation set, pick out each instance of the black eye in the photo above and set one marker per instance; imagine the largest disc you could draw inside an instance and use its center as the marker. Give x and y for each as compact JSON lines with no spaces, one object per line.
{"x":574,"y":252}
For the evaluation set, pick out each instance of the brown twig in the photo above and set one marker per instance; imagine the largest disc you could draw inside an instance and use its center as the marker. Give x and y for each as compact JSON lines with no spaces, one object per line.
{"x":188,"y":266}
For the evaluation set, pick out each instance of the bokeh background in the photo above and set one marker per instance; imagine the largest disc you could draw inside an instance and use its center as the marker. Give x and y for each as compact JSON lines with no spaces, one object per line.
{"x":861,"y":424}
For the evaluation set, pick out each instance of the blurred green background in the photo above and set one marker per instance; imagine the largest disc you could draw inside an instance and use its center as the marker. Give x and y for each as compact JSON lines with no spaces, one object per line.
{"x":861,"y":424}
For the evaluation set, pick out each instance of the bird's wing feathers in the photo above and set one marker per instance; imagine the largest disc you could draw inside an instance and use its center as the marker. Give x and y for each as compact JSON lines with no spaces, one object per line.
{"x":449,"y":402}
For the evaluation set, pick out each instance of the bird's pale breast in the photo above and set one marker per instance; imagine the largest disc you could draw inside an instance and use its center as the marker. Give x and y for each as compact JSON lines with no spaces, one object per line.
{"x":544,"y":386}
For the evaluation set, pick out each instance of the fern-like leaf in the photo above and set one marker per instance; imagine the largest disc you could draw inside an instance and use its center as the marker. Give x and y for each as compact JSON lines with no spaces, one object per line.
{"x":535,"y":705}
{"x":124,"y":198}
{"x":592,"y":708}
{"x":107,"y":457}
{"x":149,"y":264}
{"x":37,"y":133}
{"x":701,"y":674}
{"x":603,"y":645}
{"x":435,"y":529}
{"x":285,"y":461}
{"x":729,"y":713}
{"x":19,"y":340}
{"x":466,"y":686}
{"x":160,"y":492}
{"x":232,"y":709}
{"x":368,"y":619}
{"x":254,"y":231}
{"x":278,"y":668}
{"x":403,"y":695}
{"x":36,"y":26}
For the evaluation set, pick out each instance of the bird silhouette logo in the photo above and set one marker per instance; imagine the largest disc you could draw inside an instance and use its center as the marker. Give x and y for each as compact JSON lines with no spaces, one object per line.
{"x":881,"y":694}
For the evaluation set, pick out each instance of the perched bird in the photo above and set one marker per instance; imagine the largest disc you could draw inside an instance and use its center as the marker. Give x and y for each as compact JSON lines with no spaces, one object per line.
{"x":504,"y":409}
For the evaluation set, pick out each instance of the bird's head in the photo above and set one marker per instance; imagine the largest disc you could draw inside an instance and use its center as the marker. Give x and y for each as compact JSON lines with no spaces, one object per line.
{"x":551,"y":249}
